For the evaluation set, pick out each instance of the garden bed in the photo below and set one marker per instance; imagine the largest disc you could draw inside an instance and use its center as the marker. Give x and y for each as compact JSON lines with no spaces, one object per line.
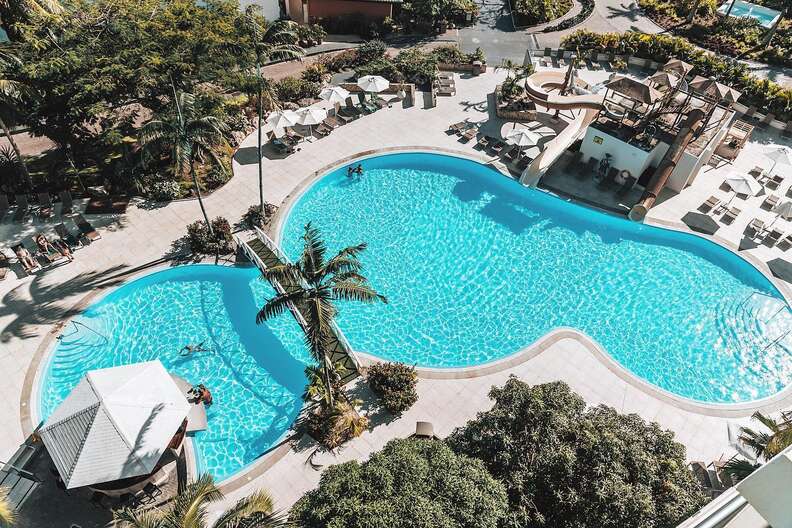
{"x":527,"y":13}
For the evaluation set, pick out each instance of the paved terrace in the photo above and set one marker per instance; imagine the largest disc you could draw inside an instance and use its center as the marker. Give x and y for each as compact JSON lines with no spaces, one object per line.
{"x":32,"y":308}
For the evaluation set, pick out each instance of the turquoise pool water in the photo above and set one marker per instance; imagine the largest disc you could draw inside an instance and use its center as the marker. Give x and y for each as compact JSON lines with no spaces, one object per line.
{"x":476,"y":267}
{"x":255,"y":372}
{"x":764,"y":15}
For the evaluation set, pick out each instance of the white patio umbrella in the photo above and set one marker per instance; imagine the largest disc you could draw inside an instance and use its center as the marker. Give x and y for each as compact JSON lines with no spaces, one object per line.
{"x":779,"y":155}
{"x":743,"y":184}
{"x":334,"y":94}
{"x":311,"y":115}
{"x":373,"y":83}
{"x":522,"y":138}
{"x":282,"y":119}
{"x":782,"y":210}
{"x":115,"y":424}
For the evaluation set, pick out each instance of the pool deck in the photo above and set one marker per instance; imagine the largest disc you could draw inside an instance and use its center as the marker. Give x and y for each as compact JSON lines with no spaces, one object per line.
{"x":33,"y":308}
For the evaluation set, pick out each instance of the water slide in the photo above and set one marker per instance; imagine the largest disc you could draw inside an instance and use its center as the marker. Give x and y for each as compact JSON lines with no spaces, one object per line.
{"x":584,"y":106}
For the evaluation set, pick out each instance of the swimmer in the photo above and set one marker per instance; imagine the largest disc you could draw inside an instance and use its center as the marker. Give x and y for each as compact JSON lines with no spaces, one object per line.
{"x":359,"y":169}
{"x":188,"y":350}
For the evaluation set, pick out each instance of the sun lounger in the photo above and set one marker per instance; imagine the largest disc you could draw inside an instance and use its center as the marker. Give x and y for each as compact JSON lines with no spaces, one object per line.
{"x":71,"y":240}
{"x":322,"y":129}
{"x":23,"y":207}
{"x":483,"y":142}
{"x":45,"y":205}
{"x":772,"y":237}
{"x":45,"y":257}
{"x":730,"y":215}
{"x":775,"y":182}
{"x":350,"y":109}
{"x":785,"y":243}
{"x":346,"y":115}
{"x":771,"y":201}
{"x":456,"y":128}
{"x":4,"y":206}
{"x":67,"y":204}
{"x":625,"y":187}
{"x":512,"y":153}
{"x":365,"y":104}
{"x":524,"y":161}
{"x":497,"y":146}
{"x":333,"y":121}
{"x":86,"y":228}
{"x":469,"y":134}
{"x":4,"y":265}
{"x":756,"y":172}
{"x":447,"y":91}
{"x":756,"y":225}
{"x":710,"y":204}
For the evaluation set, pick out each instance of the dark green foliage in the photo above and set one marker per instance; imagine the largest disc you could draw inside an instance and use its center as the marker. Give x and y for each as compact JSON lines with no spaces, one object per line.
{"x":202,"y":243}
{"x":423,"y":15}
{"x":254,"y":217}
{"x":383,"y":67}
{"x":340,"y":61}
{"x":292,"y":89}
{"x":370,"y":51}
{"x":532,"y":12}
{"x":356,"y":24}
{"x":315,"y":73}
{"x":410,"y":483}
{"x":568,"y":467}
{"x":395,"y":384}
{"x":310,"y":34}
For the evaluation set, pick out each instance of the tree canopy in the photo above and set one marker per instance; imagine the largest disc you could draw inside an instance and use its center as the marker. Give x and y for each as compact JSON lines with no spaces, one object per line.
{"x":566,"y":466}
{"x":410,"y":483}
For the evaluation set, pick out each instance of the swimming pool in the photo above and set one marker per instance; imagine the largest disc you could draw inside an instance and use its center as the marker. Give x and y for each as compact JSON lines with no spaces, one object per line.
{"x":255,"y":372}
{"x":476,"y":267}
{"x":764,"y":15}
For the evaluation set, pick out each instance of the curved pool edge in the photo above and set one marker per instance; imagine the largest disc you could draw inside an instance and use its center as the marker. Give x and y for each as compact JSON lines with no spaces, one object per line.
{"x":29,"y":397}
{"x":768,"y":403}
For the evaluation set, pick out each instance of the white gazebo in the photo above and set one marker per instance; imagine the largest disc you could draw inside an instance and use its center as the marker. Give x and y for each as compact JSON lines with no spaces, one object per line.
{"x":115,"y":424}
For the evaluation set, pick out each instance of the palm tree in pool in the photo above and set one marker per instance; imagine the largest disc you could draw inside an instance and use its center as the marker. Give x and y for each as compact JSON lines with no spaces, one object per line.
{"x":273,"y":42}
{"x":189,"y":510}
{"x":188,"y":136}
{"x":6,"y":510}
{"x":314,"y":284}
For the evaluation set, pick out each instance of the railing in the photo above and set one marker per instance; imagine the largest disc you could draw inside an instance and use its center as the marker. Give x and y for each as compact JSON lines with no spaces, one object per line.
{"x":342,"y":339}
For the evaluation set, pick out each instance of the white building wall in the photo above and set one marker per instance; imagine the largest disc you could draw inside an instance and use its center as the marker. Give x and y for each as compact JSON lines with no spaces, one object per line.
{"x":624,"y":156}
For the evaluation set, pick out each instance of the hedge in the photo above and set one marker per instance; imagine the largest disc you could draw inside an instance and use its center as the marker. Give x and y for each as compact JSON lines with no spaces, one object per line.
{"x":764,"y":94}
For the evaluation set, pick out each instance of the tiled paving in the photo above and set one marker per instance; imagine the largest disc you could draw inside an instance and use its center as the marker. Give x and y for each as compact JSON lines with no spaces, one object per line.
{"x":31,"y":307}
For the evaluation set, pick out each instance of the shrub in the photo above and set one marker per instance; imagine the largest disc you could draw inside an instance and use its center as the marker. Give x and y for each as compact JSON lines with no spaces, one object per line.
{"x":395,"y":384}
{"x":370,"y":51}
{"x":254,"y":217}
{"x":165,"y":190}
{"x":477,"y":55}
{"x":292,"y":89}
{"x":355,"y":24}
{"x":383,"y":67}
{"x":310,"y":34}
{"x":340,"y":61}
{"x":409,"y":483}
{"x":315,"y":73}
{"x":450,"y":54}
{"x":216,"y":177}
{"x":202,"y":243}
{"x":532,"y":12}
{"x":565,"y":465}
{"x":587,"y":8}
{"x":416,"y":65}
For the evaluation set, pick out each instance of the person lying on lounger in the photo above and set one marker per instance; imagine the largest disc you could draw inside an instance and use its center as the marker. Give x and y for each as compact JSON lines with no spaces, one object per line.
{"x":25,"y":258}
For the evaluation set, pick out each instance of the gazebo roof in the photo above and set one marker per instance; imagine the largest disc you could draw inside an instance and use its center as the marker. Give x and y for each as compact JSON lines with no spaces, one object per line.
{"x":634,"y":89}
{"x":714,"y":89}
{"x":677,"y":66}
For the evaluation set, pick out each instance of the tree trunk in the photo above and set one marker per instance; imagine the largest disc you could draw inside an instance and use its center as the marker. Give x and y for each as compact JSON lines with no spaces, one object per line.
{"x":728,"y":11}
{"x":328,"y":379}
{"x":258,"y":151}
{"x":198,"y":194}
{"x":693,"y":11}
{"x":772,"y":31}
{"x":25,"y":173}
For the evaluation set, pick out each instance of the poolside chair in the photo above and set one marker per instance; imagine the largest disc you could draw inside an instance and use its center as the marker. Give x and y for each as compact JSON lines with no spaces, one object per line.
{"x":764,"y":123}
{"x":446,"y":90}
{"x":771,"y":201}
{"x":772,"y":237}
{"x":470,"y":133}
{"x":86,"y":229}
{"x":512,"y":153}
{"x":4,"y":264}
{"x":23,"y":207}
{"x":322,"y":129}
{"x":333,"y":121}
{"x":365,"y":104}
{"x":757,"y":226}
{"x":774,"y":182}
{"x":456,"y":128}
{"x":497,"y":146}
{"x":785,"y":243}
{"x":483,"y":142}
{"x":4,"y":206}
{"x":350,"y":109}
{"x":787,"y":129}
{"x":64,"y":234}
{"x":44,"y":259}
{"x":710,"y":204}
{"x":524,"y":161}
{"x":730,"y":215}
{"x":45,"y":205}
{"x":756,"y":172}
{"x":625,"y":187}
{"x":67,"y":204}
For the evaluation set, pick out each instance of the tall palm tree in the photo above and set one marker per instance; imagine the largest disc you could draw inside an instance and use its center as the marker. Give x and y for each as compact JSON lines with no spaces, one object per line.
{"x":274,"y":42}
{"x":189,"y":510}
{"x":188,"y":136}
{"x":314,"y":284}
{"x":776,"y":438}
{"x":10,"y":94}
{"x":6,"y":511}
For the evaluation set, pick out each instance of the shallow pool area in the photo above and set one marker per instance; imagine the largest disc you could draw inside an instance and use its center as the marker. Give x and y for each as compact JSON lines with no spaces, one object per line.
{"x":477,"y":267}
{"x":255,"y":372}
{"x":764,"y":15}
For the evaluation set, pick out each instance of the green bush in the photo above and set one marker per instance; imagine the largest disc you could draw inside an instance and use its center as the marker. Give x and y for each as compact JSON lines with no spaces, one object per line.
{"x":395,"y":384}
{"x":764,"y":94}
{"x":416,"y":65}
{"x":383,"y":67}
{"x":310,"y":34}
{"x":450,"y":54}
{"x":356,"y":24}
{"x":202,"y":243}
{"x":569,"y":466}
{"x":254,"y":217}
{"x":165,"y":190}
{"x":532,"y":12}
{"x":292,"y":89}
{"x":340,"y":61}
{"x":315,"y":73}
{"x":370,"y":50}
{"x":409,"y":484}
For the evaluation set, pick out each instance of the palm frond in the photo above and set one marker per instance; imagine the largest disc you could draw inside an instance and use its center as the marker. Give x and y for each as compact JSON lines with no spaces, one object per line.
{"x":356,"y":291}
{"x":312,"y":259}
{"x":276,"y":306}
{"x":147,"y":518}
{"x":190,"y":505}
{"x":284,"y":273}
{"x":6,"y":510}
{"x":257,"y":503}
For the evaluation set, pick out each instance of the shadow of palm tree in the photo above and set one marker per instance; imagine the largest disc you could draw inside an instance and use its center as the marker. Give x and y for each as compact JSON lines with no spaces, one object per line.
{"x":48,"y":304}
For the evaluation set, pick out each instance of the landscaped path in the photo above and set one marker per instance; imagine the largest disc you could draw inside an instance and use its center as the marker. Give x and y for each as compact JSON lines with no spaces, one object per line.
{"x":32,"y":308}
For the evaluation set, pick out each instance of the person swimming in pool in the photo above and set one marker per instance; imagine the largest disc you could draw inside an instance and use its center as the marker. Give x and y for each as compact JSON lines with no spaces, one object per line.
{"x":355,"y":171}
{"x":188,"y":350}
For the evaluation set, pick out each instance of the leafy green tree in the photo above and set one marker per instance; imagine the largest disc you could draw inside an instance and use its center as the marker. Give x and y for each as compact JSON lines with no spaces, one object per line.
{"x":410,"y":483}
{"x":189,"y":510}
{"x":266,"y":43}
{"x":314,"y":284}
{"x":187,"y":136}
{"x":567,"y":467}
{"x":6,"y":510}
{"x":11,"y":92}
{"x":15,"y":12}
{"x":776,"y":437}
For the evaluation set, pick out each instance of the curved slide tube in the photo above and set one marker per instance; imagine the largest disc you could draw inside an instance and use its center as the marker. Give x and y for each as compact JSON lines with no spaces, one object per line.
{"x":537,"y":86}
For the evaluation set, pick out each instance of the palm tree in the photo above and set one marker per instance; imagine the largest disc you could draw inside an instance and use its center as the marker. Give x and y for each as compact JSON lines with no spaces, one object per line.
{"x":317,"y":284}
{"x":275,"y":42}
{"x":10,"y":93}
{"x":767,"y":444}
{"x":188,"y":510}
{"x":14,"y":12}
{"x":188,"y":136}
{"x":6,"y":511}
